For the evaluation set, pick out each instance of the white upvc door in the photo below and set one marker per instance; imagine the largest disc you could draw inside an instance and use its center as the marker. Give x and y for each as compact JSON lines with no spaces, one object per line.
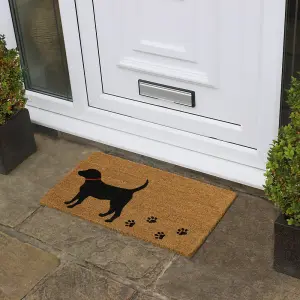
{"x":210,"y":47}
{"x":228,"y":52}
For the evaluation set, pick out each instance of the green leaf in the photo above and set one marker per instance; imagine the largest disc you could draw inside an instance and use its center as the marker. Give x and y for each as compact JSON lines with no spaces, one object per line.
{"x":282,"y":185}
{"x":11,"y":82}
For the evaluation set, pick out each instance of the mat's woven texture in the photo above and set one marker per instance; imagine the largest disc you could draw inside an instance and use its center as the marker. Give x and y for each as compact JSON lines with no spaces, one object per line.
{"x":171,"y":211}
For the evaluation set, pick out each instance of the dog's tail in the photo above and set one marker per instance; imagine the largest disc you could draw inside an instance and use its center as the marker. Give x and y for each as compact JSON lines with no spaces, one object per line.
{"x":140,"y":187}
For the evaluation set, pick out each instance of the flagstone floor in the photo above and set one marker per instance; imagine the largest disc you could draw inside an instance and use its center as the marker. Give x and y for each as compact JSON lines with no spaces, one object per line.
{"x":46,"y":254}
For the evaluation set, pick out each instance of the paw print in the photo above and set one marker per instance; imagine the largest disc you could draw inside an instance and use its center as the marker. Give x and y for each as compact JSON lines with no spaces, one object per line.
{"x":130,"y":223}
{"x":159,"y":235}
{"x":152,"y":219}
{"x":182,"y":231}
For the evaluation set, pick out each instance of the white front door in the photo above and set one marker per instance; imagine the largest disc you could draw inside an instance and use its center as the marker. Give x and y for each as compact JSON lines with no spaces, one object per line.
{"x":209,"y":47}
{"x":228,"y":54}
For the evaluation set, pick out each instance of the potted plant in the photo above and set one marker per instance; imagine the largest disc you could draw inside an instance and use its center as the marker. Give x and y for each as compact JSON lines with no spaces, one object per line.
{"x":283,"y":188}
{"x":16,"y":132}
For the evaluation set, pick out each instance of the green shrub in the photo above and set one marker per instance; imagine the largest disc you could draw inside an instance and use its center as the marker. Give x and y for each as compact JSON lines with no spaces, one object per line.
{"x":11,"y":82}
{"x":283,"y":168}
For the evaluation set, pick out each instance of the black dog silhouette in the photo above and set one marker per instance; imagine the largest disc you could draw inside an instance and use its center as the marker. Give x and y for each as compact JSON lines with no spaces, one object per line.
{"x":95,"y":187}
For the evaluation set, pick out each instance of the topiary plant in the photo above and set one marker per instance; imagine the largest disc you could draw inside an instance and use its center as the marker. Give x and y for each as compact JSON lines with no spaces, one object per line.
{"x":11,"y":82}
{"x":282,"y":184}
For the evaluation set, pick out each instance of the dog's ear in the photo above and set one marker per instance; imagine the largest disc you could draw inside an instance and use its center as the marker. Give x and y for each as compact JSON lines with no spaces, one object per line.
{"x":93,"y":173}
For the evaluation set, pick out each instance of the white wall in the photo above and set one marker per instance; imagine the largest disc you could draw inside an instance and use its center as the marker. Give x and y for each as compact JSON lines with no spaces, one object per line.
{"x":6,"y":26}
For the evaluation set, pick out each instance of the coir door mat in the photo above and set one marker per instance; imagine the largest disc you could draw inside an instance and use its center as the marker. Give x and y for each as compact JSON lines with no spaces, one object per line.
{"x":165,"y":209}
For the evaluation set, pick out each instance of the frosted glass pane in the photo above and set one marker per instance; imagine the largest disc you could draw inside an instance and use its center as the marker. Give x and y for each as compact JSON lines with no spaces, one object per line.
{"x":41,"y":43}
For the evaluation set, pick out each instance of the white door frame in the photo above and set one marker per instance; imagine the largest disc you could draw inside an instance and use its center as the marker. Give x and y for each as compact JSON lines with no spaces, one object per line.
{"x":203,"y":154}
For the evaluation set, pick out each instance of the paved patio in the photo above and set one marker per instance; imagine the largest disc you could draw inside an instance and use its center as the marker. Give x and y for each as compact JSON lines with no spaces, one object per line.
{"x":46,"y":254}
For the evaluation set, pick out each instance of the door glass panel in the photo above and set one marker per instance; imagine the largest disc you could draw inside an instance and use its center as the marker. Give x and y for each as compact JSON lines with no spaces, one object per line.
{"x":41,"y":43}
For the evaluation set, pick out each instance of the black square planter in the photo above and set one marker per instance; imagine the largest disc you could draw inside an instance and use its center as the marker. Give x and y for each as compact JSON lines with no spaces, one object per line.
{"x":16,"y":141}
{"x":286,"y":248}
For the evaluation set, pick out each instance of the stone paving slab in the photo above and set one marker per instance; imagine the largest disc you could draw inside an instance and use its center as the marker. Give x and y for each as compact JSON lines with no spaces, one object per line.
{"x":42,"y":169}
{"x":146,"y":297}
{"x":53,"y":160}
{"x":235,"y":262}
{"x":19,"y":198}
{"x":21,"y":267}
{"x":122,"y":255}
{"x":77,"y":283}
{"x":61,"y":149}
